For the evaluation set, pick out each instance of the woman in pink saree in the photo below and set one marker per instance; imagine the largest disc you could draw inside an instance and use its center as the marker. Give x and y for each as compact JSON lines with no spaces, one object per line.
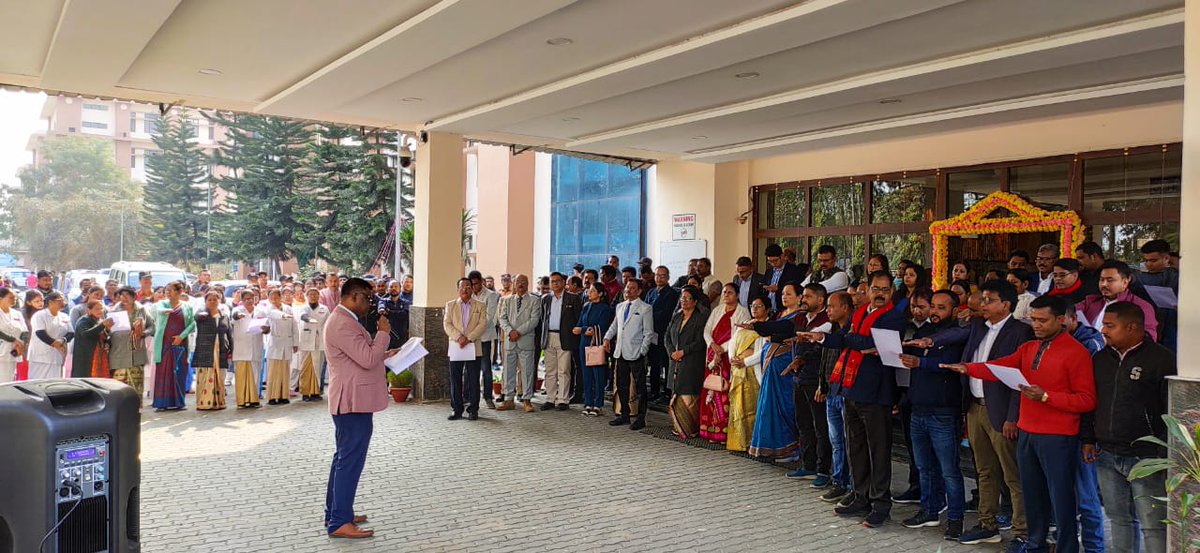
{"x":714,"y":403}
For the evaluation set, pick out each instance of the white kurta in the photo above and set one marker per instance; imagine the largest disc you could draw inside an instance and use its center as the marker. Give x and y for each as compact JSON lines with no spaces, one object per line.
{"x":12,"y":324}
{"x":283,"y":333}
{"x":45,"y":361}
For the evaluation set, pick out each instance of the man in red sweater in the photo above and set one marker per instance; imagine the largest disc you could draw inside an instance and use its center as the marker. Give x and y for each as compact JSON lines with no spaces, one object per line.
{"x":1061,"y":388}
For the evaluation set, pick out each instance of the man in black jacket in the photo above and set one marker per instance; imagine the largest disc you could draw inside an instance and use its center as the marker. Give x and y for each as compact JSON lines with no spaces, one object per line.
{"x":811,"y":420}
{"x":992,"y":410}
{"x":1131,"y":398}
{"x":779,"y":273}
{"x":662,"y":299}
{"x":748,"y":283}
{"x":838,"y":307}
{"x":560,"y":313}
{"x":869,"y":387}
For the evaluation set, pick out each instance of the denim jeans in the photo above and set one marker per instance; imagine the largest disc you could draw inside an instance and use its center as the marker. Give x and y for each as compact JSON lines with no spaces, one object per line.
{"x":1091,"y":514}
{"x":1131,"y":504}
{"x":593,"y":386}
{"x":935,"y":441}
{"x":837,"y":440}
{"x":1048,"y":487}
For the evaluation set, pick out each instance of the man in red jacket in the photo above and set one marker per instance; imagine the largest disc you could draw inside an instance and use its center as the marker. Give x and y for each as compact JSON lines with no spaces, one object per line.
{"x":1061,"y":388}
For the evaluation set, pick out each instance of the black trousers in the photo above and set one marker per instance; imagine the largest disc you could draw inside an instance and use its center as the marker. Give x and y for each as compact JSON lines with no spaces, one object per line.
{"x":869,"y":445}
{"x":485,"y":371}
{"x":914,"y":477}
{"x":657,"y":359}
{"x":813,"y":423}
{"x":464,"y":385}
{"x":637,"y":371}
{"x":576,"y":378}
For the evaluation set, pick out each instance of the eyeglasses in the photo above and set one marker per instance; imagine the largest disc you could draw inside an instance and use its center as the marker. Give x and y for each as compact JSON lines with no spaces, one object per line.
{"x":988,"y":301}
{"x":1043,"y":258}
{"x":882,"y":290}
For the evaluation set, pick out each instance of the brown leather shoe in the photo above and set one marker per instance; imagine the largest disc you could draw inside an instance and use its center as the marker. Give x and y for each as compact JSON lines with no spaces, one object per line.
{"x":507,"y":406}
{"x":358,"y":519}
{"x":351,"y":531}
{"x":529,"y":406}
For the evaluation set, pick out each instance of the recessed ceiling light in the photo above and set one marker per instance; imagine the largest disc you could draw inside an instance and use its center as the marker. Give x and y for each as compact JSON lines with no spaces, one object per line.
{"x":209,"y":71}
{"x":569,"y":119}
{"x":890,"y":101}
{"x":560,"y":41}
{"x":412,"y":99}
{"x":747,"y":75}
{"x":699,"y":137}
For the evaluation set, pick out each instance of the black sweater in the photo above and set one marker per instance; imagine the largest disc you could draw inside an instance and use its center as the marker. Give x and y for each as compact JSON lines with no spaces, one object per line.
{"x":1131,"y":398}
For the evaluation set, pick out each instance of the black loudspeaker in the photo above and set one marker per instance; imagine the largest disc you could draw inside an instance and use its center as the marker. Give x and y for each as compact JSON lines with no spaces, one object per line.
{"x":69,"y":467}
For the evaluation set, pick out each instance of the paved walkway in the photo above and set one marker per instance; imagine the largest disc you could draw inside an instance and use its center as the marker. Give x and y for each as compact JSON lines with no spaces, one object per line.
{"x":236,"y":481}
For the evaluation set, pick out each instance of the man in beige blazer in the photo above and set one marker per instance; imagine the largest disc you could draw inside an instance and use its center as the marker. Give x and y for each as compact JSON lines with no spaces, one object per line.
{"x":464,"y":321}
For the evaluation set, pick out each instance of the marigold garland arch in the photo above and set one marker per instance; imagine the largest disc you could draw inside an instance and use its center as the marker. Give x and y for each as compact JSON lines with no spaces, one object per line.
{"x":1026,"y":218}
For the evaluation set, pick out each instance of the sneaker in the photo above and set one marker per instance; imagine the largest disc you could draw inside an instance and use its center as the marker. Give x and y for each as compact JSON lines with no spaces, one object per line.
{"x":944,"y":509}
{"x":875,"y":519}
{"x":854,"y":509}
{"x":953,"y":530}
{"x":1004,"y":522}
{"x":491,"y":404}
{"x":802,"y":474}
{"x":587,"y":412}
{"x":1017,"y":545}
{"x":847,"y":500}
{"x":835,"y":494}
{"x":922,"y":519}
{"x":978,"y":535}
{"x":908,"y":497}
{"x":821,"y":482}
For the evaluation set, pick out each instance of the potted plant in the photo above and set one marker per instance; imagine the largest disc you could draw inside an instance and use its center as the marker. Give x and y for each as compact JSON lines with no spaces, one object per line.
{"x":497,"y":384}
{"x":1183,"y":465}
{"x":400,"y":385}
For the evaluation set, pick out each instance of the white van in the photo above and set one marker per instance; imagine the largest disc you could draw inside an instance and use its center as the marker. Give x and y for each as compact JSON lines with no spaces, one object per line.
{"x":127,"y":273}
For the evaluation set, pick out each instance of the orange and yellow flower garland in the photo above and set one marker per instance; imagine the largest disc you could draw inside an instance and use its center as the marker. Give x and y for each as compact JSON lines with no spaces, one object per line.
{"x":1027,"y":218}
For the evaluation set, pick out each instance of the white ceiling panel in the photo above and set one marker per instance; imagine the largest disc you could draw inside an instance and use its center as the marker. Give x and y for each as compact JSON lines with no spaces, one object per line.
{"x":25,"y":34}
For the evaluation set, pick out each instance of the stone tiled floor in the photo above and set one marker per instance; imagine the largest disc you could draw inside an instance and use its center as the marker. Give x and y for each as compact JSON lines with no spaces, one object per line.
{"x":255,"y":481}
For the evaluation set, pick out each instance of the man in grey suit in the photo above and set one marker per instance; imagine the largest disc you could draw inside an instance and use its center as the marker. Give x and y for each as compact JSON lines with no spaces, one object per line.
{"x":633,"y":331}
{"x":560,"y":313}
{"x":519,"y":318}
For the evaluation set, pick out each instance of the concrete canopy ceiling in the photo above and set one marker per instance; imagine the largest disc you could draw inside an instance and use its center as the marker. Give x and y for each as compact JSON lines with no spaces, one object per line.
{"x":709,"y":80}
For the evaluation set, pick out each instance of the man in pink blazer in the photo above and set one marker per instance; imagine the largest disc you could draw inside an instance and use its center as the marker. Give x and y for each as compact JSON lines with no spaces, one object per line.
{"x":357,"y":388}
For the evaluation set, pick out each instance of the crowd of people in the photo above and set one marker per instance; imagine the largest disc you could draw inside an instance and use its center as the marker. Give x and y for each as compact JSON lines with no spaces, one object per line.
{"x":178,"y":339}
{"x":783,"y":365}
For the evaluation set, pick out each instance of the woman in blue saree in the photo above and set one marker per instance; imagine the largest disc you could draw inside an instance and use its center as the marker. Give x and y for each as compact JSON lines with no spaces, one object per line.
{"x":775,"y":433}
{"x":175,"y":323}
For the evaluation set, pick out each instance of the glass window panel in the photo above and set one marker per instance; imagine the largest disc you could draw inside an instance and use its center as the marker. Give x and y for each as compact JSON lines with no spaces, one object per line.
{"x":1127,"y":183}
{"x":968,"y":187}
{"x":591,"y":227}
{"x":851,"y":253}
{"x":624,"y":221}
{"x":1124,"y":242}
{"x":908,"y":200}
{"x":624,"y":182}
{"x":837,"y":205}
{"x":912,"y":246}
{"x":1043,"y":185}
{"x":795,"y":243}
{"x":766,"y":206}
{"x":566,"y":239}
{"x":789,"y":208}
{"x":566,"y":179}
{"x":595,"y":180}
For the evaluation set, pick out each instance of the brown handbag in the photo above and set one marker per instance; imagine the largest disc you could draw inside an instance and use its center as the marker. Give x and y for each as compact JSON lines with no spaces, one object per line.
{"x":714,"y":381}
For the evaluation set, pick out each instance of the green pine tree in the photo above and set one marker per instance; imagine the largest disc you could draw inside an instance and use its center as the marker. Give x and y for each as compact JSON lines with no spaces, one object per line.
{"x":262,"y":213}
{"x":176,"y":195}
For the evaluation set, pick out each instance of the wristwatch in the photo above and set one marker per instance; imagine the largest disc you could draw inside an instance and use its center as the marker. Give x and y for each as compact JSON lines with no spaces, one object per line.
{"x":1045,"y":397}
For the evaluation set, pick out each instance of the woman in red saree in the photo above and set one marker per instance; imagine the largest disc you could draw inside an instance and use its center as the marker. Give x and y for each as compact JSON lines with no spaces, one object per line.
{"x":714,"y":403}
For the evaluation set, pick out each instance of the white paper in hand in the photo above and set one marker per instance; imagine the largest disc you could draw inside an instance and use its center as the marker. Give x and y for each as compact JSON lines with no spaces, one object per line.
{"x":411,"y":352}
{"x":887,"y":343}
{"x":461,"y":353}
{"x":255,"y":325}
{"x":1009,"y":376}
{"x":120,"y":321}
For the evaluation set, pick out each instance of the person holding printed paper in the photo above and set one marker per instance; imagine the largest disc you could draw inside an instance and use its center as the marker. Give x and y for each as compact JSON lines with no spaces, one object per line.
{"x":280,"y":348}
{"x":88,"y":358}
{"x":127,"y":347}
{"x":465,"y":321}
{"x":247,"y":350}
{"x":1062,"y":388}
{"x":311,"y":317}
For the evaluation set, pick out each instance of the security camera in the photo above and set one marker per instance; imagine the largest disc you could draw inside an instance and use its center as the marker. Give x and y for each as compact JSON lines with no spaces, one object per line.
{"x":406,"y":158}
{"x":424,"y":137}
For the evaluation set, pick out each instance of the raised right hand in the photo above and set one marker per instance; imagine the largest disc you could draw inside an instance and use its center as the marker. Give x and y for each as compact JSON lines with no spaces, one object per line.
{"x":384,"y":325}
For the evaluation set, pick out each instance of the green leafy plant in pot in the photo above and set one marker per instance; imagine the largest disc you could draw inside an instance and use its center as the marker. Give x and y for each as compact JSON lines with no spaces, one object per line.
{"x":497,"y":384}
{"x":400,"y":385}
{"x":1183,"y":465}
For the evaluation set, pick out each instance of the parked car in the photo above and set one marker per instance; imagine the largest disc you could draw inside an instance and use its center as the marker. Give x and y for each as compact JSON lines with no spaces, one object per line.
{"x":18,"y":275}
{"x":68,"y":283}
{"x":128,"y":273}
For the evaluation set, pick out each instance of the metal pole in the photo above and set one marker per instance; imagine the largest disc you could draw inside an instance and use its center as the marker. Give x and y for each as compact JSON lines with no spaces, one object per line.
{"x":122,"y":236}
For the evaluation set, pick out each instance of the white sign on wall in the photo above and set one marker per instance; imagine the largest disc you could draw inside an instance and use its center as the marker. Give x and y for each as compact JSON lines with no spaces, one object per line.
{"x":683,"y":226}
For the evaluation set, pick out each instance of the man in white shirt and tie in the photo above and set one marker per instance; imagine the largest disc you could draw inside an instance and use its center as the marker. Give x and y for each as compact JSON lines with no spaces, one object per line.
{"x":629,"y":339}
{"x":518,"y":320}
